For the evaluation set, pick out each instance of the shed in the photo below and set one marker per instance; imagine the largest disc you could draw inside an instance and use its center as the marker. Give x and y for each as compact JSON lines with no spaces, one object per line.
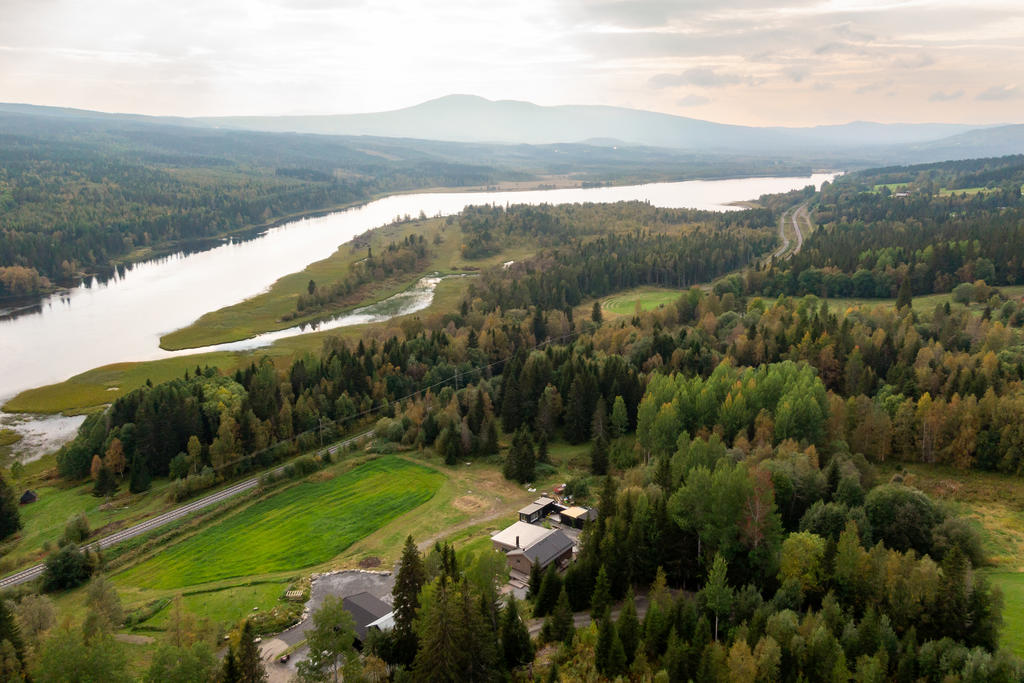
{"x":29,"y":497}
{"x":577,"y":516}
{"x":538,"y":510}
{"x":519,"y":535}
{"x":365,"y":609}
{"x":554,"y":547}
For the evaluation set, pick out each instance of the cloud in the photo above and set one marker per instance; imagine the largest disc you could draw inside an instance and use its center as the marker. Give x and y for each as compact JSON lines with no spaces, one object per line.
{"x":999,"y":92}
{"x":700,"y":76}
{"x":797,"y":73}
{"x":939,"y":96}
{"x":918,"y":61}
{"x":872,"y":87}
{"x":693,"y":101}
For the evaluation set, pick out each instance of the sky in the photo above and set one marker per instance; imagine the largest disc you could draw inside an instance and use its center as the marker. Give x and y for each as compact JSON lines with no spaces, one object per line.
{"x":751,"y":62}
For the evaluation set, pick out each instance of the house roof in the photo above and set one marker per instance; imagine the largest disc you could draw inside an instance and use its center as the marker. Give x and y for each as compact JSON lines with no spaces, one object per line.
{"x":536,"y":505}
{"x":29,"y":496}
{"x":528,"y":535}
{"x":578,"y":513}
{"x":365,"y":609}
{"x":547,"y":549}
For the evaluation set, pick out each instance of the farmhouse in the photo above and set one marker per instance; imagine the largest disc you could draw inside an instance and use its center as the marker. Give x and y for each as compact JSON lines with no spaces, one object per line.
{"x":554,"y":547}
{"x":576,"y":516}
{"x":367,"y":611}
{"x":538,"y":510}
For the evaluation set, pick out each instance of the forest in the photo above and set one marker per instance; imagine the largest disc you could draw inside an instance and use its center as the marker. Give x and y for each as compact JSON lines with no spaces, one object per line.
{"x":745,"y":443}
{"x":83,"y":192}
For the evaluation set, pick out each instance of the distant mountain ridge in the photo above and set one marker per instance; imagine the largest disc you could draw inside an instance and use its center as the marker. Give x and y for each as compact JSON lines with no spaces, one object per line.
{"x":468,"y":118}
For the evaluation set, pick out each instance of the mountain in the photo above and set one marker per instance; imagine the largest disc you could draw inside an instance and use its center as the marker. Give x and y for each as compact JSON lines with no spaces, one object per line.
{"x":986,"y":142}
{"x":467,"y":118}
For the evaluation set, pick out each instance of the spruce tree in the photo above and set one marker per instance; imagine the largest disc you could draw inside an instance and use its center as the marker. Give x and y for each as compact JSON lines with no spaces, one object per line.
{"x":536,"y":578}
{"x":628,"y":627}
{"x":601,"y":599}
{"x":563,"y":626}
{"x":408,"y":582}
{"x":250,"y":665}
{"x":549,"y":590}
{"x":595,"y":313}
{"x":599,"y":457}
{"x":106,"y":484}
{"x":11,"y":633}
{"x":10,"y":517}
{"x":619,"y":423}
{"x":229,"y":672}
{"x":515,"y":639}
{"x":905,"y":297}
{"x":609,"y":657}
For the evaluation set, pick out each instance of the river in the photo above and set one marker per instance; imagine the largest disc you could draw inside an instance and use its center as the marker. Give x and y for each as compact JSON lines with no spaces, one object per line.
{"x":123,"y":318}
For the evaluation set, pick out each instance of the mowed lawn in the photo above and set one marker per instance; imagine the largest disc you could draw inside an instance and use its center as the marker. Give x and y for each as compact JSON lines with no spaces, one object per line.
{"x":302,"y":526}
{"x":649,"y":298}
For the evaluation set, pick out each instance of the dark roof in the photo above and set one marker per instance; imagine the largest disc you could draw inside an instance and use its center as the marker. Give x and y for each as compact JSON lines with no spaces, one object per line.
{"x":29,"y":497}
{"x":547,"y":549}
{"x":365,"y":609}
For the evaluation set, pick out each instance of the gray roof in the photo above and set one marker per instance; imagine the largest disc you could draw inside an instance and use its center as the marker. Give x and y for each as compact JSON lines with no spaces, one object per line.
{"x":547,"y":549}
{"x":536,"y":505}
{"x":365,"y":609}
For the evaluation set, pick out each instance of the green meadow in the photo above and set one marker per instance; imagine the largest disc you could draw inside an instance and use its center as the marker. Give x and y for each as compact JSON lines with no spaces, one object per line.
{"x":304,"y":525}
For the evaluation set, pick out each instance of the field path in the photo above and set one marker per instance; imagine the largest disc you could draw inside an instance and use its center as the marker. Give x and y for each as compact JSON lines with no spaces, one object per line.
{"x":167,"y":517}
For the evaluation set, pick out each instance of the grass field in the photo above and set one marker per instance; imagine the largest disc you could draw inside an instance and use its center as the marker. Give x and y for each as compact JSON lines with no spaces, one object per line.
{"x":1012,"y":586}
{"x":302,"y":526}
{"x":224,"y":607}
{"x":649,"y":298}
{"x":922,"y":304}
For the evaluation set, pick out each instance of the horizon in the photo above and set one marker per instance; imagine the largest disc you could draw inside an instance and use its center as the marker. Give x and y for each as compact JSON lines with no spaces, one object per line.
{"x":790,"y":63}
{"x":849,"y":122}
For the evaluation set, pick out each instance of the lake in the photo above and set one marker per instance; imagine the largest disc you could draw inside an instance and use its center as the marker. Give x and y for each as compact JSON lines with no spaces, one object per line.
{"x":123,"y":318}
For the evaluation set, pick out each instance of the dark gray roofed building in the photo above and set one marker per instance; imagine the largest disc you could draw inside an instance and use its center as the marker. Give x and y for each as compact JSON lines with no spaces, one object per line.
{"x":554,"y":547}
{"x":365,"y":609}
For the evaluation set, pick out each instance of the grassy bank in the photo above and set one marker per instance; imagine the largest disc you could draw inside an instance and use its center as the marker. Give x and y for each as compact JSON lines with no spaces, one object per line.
{"x":93,"y":389}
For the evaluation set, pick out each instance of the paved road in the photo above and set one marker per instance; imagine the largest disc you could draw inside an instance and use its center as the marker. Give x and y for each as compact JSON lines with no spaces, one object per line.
{"x":793,"y":217}
{"x":167,"y":517}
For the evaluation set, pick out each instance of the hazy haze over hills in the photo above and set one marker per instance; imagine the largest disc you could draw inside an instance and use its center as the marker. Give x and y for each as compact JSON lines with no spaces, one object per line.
{"x":467,"y":118}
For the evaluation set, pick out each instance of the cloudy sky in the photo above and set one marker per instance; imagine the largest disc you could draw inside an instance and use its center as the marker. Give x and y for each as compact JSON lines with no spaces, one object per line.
{"x":757,"y":62}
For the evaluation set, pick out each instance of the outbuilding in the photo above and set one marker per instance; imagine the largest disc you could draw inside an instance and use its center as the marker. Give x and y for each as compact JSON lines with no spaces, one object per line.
{"x":367,"y":611}
{"x":29,"y":497}
{"x":576,"y":517}
{"x":538,"y":510}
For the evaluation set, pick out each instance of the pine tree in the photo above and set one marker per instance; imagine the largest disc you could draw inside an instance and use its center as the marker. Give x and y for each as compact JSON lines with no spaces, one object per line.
{"x":595,"y":313}
{"x":542,"y":448}
{"x":515,"y":639}
{"x":10,"y":517}
{"x":601,"y":599}
{"x":406,"y":593}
